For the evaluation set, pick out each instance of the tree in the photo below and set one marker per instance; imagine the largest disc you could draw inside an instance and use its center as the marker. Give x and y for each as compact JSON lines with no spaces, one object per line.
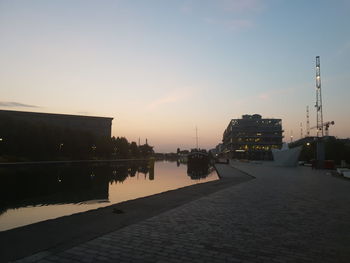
{"x":122,"y":148}
{"x":134,"y":150}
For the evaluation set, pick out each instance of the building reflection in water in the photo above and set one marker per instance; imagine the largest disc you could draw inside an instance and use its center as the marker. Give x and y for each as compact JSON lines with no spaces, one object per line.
{"x":67,"y":184}
{"x":36,"y":193}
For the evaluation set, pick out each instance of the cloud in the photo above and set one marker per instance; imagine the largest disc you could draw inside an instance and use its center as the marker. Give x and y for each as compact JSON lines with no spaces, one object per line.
{"x":232,"y":24}
{"x":84,"y":113}
{"x":12,"y":104}
{"x":233,"y":15}
{"x":239,"y":24}
{"x":241,"y":6}
{"x":186,"y":8}
{"x":171,"y":98}
{"x":265,"y":96}
{"x":272,"y":93}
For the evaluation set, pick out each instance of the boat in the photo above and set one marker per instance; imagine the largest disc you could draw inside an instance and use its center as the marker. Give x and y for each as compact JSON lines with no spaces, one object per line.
{"x":286,"y":156}
{"x":198,"y":157}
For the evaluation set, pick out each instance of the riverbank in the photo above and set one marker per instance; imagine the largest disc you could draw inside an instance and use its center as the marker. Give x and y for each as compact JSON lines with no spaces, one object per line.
{"x":55,"y":235}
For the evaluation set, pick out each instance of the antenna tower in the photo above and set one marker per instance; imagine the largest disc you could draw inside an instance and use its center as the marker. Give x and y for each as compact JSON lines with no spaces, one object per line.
{"x":307,"y":122}
{"x":319,"y":99}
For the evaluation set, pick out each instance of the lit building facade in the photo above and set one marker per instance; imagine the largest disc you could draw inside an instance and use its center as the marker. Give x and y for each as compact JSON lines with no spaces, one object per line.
{"x":252,"y":137}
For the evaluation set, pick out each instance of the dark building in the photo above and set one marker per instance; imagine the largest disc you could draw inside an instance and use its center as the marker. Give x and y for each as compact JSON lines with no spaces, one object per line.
{"x":98,"y":126}
{"x":252,"y":137}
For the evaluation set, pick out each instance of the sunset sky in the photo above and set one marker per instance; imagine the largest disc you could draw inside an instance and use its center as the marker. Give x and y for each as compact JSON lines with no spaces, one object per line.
{"x":161,"y":68}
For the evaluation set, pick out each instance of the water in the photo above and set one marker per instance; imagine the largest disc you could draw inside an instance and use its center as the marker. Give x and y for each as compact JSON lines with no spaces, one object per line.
{"x":37,"y":193}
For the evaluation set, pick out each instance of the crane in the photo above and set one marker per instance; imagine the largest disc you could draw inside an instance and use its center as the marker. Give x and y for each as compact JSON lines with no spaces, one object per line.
{"x":325,"y":125}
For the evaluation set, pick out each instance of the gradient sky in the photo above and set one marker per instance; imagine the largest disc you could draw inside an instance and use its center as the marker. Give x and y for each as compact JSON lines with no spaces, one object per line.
{"x":161,"y":68}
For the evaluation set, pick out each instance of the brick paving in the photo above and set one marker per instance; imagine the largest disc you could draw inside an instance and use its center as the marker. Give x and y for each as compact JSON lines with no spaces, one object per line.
{"x":284,"y":215}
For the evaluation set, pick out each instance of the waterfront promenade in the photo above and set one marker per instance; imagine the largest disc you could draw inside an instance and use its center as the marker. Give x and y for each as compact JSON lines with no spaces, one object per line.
{"x":278,"y":215}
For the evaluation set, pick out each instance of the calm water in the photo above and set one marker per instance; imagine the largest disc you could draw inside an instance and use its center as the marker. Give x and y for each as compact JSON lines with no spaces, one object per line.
{"x":29,"y":195}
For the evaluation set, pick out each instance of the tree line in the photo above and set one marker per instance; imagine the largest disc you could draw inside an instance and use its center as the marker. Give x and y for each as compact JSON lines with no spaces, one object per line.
{"x":26,"y":141}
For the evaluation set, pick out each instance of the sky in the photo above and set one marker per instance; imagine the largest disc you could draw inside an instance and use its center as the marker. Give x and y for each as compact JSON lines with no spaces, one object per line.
{"x":161,"y":68}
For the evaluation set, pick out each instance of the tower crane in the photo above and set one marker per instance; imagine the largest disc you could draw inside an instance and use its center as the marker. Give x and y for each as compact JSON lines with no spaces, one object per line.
{"x":325,"y":125}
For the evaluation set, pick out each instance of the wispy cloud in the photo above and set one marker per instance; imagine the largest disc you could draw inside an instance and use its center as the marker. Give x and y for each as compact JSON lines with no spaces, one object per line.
{"x":12,"y":104}
{"x":239,"y":24}
{"x":174,"y":97}
{"x":240,"y":6}
{"x":228,"y":6}
{"x":186,"y":7}
{"x":84,"y":112}
{"x":273,"y":93}
{"x":265,"y":96}
{"x":232,"y":24}
{"x":237,"y":15}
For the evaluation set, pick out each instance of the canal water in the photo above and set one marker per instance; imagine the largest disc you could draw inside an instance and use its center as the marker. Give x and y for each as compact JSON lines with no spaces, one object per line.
{"x":36,"y":193}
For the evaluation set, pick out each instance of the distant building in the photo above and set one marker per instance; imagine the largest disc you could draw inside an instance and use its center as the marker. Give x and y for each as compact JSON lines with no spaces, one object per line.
{"x":98,"y":126}
{"x":252,"y":137}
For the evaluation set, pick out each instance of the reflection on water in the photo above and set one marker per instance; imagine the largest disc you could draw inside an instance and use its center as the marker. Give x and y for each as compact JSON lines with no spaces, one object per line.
{"x":29,"y":195}
{"x":197,"y":172}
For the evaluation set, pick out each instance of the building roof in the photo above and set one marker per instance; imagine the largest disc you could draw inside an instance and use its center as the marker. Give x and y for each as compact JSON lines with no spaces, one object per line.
{"x":52,"y":114}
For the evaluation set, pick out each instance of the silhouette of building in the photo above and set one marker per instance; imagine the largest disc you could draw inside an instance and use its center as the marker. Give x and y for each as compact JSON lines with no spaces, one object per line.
{"x":252,"y":137}
{"x":99,"y":126}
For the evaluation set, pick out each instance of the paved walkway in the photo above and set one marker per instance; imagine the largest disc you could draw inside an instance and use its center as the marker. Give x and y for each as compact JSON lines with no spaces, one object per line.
{"x":284,"y":215}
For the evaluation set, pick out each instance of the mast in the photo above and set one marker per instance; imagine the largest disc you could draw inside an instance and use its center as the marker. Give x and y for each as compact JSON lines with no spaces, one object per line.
{"x":318,"y":105}
{"x":307,"y":122}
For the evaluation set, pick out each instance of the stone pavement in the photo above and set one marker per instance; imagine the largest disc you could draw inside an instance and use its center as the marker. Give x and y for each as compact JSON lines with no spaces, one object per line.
{"x":284,"y":215}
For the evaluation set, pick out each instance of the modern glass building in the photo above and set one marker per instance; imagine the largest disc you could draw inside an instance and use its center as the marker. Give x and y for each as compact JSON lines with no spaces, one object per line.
{"x":252,"y":137}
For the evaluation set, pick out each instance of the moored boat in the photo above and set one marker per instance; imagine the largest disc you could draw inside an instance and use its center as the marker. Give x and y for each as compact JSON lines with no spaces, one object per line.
{"x":198,"y":157}
{"x":286,"y":156}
